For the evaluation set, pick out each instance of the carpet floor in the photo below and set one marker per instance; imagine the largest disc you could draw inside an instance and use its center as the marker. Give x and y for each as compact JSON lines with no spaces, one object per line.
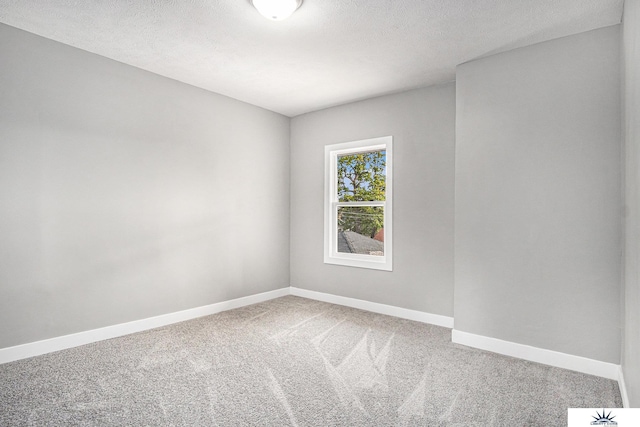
{"x":291,"y":362}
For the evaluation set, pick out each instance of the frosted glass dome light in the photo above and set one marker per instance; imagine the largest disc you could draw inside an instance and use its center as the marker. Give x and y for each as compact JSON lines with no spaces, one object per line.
{"x":276,"y":10}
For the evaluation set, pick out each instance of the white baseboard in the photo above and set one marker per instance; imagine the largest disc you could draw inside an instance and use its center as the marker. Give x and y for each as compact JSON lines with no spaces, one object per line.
{"x":403,"y":313}
{"x":521,"y":351}
{"x":623,"y":388}
{"x":37,"y":348}
{"x":539,"y":355}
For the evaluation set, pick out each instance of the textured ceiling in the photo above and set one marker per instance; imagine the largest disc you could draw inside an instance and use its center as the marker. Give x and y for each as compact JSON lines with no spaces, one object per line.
{"x":328,"y":53}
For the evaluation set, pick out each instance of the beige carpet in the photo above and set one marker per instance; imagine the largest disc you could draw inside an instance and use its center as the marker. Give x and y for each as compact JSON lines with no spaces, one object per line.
{"x":292,"y":362}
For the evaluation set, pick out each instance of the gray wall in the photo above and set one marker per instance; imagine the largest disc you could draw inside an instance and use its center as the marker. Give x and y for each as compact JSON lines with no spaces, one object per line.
{"x":422,"y":123}
{"x":538,"y":196}
{"x":631,"y":84}
{"x":125,"y":195}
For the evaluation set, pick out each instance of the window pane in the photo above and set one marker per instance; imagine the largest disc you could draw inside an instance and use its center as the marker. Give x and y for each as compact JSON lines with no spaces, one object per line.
{"x":362,"y":176}
{"x":360,"y":230}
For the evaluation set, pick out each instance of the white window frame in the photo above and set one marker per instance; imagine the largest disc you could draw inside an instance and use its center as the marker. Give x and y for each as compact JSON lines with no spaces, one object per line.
{"x":331,"y":204}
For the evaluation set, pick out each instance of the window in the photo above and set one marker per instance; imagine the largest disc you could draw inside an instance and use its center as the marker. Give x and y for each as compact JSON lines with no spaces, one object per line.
{"x":358,"y":198}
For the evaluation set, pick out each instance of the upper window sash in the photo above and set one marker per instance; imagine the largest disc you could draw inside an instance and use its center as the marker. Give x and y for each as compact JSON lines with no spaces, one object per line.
{"x":334,"y":154}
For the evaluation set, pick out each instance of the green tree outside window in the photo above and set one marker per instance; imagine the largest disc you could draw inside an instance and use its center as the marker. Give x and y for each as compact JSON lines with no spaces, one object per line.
{"x":362,"y":178}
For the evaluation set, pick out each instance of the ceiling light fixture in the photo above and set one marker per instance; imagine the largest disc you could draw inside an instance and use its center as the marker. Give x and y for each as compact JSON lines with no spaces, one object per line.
{"x":276,"y":10}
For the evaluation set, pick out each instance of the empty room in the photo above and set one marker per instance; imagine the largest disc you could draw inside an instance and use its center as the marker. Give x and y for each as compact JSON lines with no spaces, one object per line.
{"x":319,"y":212}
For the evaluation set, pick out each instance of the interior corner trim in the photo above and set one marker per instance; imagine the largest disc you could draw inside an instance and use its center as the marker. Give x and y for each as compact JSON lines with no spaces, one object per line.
{"x":623,"y":389}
